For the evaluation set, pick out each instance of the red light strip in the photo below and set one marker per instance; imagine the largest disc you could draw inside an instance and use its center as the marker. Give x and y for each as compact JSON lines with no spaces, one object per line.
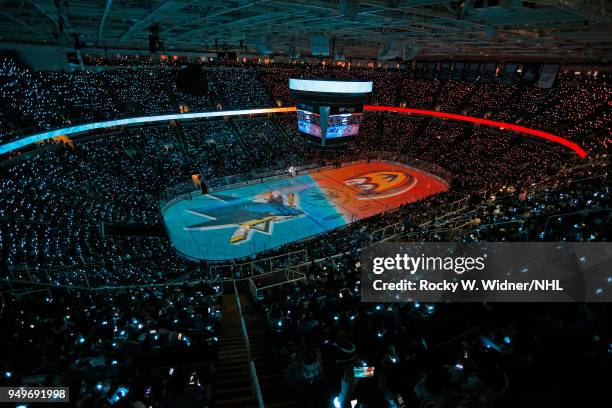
{"x":521,"y":129}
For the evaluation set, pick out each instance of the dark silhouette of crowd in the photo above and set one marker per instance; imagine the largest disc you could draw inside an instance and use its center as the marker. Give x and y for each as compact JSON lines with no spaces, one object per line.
{"x":109,"y":313}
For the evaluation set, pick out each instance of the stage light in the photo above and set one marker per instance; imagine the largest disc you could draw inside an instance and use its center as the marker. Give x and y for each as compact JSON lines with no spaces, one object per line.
{"x":8,"y":374}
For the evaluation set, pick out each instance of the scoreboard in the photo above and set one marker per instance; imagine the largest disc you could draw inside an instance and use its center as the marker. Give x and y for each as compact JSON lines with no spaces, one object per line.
{"x":329,"y":112}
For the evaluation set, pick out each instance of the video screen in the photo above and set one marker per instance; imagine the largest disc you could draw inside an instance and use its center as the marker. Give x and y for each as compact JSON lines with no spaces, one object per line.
{"x":339,"y":125}
{"x":309,"y":123}
{"x":346,"y":124}
{"x":363,"y":372}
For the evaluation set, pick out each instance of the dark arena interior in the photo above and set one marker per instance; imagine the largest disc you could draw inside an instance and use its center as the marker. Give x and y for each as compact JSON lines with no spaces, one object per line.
{"x":191,"y":192}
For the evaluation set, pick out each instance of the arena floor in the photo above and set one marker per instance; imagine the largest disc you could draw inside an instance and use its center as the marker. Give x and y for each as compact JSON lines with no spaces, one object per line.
{"x":243,"y":221}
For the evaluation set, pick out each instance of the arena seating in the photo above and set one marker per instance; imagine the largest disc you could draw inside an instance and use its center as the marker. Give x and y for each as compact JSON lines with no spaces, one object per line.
{"x":116,"y":310}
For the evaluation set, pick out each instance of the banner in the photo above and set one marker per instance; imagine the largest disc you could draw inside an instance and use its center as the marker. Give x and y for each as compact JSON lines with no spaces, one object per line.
{"x":458,"y":69}
{"x":418,"y":73}
{"x":529,"y":72}
{"x":509,"y":73}
{"x":473,"y":71}
{"x":444,"y":70}
{"x":488,"y":72}
{"x":548,"y":74}
{"x":432,"y":70}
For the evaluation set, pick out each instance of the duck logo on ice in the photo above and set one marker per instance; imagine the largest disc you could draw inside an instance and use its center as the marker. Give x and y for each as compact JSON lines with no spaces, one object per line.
{"x":246,"y":215}
{"x":382,"y":184}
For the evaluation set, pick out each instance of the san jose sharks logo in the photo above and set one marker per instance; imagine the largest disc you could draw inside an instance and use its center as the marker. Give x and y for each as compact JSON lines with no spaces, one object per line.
{"x":246,"y":215}
{"x":382,"y":184}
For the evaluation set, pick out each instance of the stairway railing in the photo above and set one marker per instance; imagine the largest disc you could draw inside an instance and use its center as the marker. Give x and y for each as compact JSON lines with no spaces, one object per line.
{"x":247,"y":342}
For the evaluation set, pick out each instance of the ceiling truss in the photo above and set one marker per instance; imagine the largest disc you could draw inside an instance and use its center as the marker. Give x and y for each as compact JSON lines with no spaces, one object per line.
{"x":506,"y":29}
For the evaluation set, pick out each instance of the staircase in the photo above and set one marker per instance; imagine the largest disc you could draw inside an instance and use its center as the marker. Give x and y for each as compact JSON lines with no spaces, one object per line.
{"x":231,"y":387}
{"x":274,"y":389}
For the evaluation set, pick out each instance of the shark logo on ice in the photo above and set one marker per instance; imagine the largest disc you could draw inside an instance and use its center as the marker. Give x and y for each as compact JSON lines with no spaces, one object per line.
{"x":382,"y":184}
{"x":246,"y":215}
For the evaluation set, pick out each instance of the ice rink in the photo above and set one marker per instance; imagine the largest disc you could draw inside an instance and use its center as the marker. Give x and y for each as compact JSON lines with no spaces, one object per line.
{"x":243,"y":221}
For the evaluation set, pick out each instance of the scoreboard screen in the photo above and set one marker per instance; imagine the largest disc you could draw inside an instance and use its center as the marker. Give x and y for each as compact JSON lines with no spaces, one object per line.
{"x":309,"y":123}
{"x":329,"y":112}
{"x":342,"y":125}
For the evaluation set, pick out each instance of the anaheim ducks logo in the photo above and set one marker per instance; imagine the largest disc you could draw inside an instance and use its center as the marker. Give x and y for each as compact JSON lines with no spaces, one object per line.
{"x":382,"y":184}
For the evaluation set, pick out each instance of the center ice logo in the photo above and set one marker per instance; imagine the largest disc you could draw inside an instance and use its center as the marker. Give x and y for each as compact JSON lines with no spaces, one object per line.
{"x":382,"y":184}
{"x":246,"y":215}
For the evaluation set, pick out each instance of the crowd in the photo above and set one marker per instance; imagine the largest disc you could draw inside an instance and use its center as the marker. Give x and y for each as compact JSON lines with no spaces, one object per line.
{"x":576,"y":208}
{"x":60,"y":203}
{"x":481,"y":355}
{"x":268,"y":147}
{"x":136,"y":347}
{"x":215,"y":151}
{"x":35,"y":101}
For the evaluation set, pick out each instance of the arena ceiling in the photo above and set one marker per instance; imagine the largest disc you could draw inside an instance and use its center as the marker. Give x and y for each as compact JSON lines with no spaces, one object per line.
{"x":553,"y":30}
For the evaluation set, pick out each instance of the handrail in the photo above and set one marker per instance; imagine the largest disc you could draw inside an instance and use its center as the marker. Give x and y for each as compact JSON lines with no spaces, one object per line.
{"x":283,"y":282}
{"x":258,"y":395}
{"x":590,"y":210}
{"x":245,"y":334}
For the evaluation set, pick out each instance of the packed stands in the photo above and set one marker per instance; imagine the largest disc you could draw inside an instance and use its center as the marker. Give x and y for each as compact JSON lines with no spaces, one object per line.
{"x":90,"y":269}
